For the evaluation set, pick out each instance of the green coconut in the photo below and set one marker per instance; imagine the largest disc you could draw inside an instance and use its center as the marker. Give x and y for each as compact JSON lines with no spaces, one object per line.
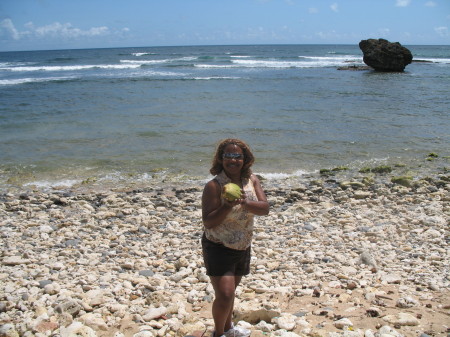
{"x":231,"y":192}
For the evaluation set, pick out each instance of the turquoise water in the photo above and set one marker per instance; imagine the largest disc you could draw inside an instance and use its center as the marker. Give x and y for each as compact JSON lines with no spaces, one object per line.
{"x":141,"y":114}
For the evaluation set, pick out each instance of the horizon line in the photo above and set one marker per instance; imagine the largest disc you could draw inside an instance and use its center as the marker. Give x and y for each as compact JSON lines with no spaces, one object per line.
{"x":212,"y":45}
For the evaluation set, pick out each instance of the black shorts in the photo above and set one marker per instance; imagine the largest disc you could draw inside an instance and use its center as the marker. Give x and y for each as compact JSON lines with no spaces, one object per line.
{"x":221,"y":260}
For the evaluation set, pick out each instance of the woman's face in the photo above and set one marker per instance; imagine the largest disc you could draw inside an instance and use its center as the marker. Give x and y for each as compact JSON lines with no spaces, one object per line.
{"x":232,"y":159}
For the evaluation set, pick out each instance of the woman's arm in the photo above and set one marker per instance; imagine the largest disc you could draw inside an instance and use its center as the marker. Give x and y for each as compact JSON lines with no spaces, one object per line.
{"x":213,"y":211}
{"x":260,"y":207}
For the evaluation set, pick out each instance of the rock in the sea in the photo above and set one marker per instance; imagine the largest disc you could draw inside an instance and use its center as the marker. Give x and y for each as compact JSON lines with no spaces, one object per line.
{"x":383,"y":55}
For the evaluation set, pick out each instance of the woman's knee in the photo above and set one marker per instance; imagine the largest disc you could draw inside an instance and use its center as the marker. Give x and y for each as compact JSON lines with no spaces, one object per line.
{"x":224,"y":299}
{"x":225,"y":294}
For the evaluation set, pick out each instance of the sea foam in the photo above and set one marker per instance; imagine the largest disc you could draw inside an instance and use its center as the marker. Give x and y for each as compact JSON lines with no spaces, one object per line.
{"x":34,"y":80}
{"x":305,"y":62}
{"x":281,"y":175}
{"x":72,"y":68}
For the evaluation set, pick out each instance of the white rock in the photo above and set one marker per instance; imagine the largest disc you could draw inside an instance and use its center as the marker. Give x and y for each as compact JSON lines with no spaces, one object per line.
{"x":45,"y":229}
{"x":192,"y":296}
{"x":369,"y":333}
{"x":388,"y":331}
{"x":144,"y":333}
{"x":343,"y":322}
{"x":52,"y":288}
{"x":163,"y":331}
{"x":77,"y":329}
{"x":8,"y":330}
{"x":285,"y":321}
{"x":57,"y":266}
{"x":14,"y":261}
{"x":432,"y":234}
{"x":401,"y":318}
{"x":95,"y":297}
{"x":154,"y":313}
{"x":245,"y":325}
{"x":93,"y":320}
{"x":174,"y":324}
{"x":391,"y":278}
{"x":177,"y":277}
{"x":284,"y":333}
{"x":407,"y":302}
{"x":264,"y":326}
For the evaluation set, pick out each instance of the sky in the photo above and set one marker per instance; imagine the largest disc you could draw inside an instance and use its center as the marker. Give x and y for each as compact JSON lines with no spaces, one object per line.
{"x":74,"y":24}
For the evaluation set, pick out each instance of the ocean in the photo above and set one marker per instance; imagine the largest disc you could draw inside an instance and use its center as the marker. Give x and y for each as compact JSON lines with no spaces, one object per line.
{"x":142,"y":116}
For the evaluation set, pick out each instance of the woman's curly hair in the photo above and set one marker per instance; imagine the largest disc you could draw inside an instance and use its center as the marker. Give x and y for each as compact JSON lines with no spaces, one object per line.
{"x":249,"y":159}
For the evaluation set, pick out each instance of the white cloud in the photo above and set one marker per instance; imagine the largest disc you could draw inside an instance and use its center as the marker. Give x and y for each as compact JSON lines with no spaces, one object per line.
{"x":66,"y":31}
{"x":402,"y":3}
{"x":430,"y":4}
{"x":55,"y":30}
{"x":313,"y":10}
{"x":334,"y":7}
{"x":7,"y":28}
{"x":327,"y":35}
{"x":384,"y":32}
{"x":442,"y":31}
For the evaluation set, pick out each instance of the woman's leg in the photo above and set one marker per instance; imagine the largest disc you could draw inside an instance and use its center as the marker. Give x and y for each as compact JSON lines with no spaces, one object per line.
{"x":237,"y":280}
{"x":222,"y":308}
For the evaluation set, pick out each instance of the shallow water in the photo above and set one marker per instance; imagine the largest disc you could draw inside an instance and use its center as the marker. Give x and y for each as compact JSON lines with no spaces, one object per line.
{"x":136,"y":114}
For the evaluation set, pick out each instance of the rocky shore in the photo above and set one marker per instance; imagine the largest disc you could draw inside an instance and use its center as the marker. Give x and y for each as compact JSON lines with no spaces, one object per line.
{"x":365,"y":256}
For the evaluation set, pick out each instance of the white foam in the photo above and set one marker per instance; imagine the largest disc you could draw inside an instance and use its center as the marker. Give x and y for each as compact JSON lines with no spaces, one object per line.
{"x":34,"y":80}
{"x":143,"y":61}
{"x":336,"y":57}
{"x":187,"y":58}
{"x":13,"y":64}
{"x":281,"y":175}
{"x":48,"y":184}
{"x":308,"y":62}
{"x":314,"y":63}
{"x":152,"y":73}
{"x":216,"y":78}
{"x":72,"y":68}
{"x":435,"y":60}
{"x":214,"y":66}
{"x":142,"y":54}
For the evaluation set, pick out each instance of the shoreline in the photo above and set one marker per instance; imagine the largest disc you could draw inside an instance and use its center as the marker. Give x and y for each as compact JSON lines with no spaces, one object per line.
{"x":338,"y":255}
{"x":116,"y":180}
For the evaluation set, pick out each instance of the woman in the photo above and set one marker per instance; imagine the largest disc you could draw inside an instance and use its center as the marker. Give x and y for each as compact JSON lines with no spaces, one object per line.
{"x":228,"y":229}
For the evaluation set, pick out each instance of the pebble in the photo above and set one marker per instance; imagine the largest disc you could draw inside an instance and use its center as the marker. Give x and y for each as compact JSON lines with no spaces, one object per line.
{"x":85,"y":263}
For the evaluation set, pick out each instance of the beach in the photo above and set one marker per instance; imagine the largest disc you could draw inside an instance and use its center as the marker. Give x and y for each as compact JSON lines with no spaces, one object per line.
{"x":104,"y":154}
{"x":342,"y":253}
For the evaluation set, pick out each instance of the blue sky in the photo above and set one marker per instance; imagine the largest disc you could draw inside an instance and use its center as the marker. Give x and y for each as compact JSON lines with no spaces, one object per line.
{"x":63,"y":24}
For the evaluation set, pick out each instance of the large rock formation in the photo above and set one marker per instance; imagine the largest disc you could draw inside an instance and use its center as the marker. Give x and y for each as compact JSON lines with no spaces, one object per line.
{"x":383,"y":55}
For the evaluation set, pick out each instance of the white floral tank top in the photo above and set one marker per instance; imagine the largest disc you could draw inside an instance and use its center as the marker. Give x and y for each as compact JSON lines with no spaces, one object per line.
{"x":236,"y":231}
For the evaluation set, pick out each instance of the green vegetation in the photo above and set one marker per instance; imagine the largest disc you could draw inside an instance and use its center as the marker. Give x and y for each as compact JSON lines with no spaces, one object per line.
{"x":406,"y":181}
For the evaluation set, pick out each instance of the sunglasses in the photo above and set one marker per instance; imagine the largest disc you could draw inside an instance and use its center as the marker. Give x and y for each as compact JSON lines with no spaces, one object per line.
{"x":233,"y":156}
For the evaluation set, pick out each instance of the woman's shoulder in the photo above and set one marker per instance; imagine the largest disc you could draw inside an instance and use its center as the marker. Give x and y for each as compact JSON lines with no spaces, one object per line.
{"x":254,"y":178}
{"x":212,"y":185}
